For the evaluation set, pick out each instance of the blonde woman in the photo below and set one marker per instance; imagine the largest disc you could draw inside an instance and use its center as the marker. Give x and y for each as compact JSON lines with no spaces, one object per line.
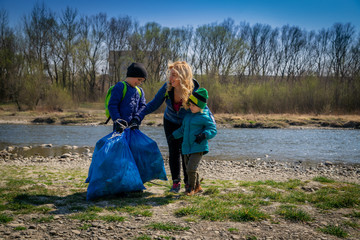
{"x":175,"y":92}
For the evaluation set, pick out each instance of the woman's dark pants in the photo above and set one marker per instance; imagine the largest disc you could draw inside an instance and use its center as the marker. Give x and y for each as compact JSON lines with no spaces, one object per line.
{"x":175,"y":152}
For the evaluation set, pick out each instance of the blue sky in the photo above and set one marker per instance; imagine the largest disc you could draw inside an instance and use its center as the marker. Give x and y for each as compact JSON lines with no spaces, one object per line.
{"x":306,"y":14}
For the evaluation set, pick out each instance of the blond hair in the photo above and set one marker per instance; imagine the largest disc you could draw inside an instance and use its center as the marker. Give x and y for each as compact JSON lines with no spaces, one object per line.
{"x":185,"y":76}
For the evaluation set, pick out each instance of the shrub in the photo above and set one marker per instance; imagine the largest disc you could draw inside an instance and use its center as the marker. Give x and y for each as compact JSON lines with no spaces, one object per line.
{"x":56,"y":99}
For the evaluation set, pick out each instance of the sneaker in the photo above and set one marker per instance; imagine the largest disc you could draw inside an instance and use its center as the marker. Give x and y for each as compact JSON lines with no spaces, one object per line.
{"x":198,"y":189}
{"x":175,"y":188}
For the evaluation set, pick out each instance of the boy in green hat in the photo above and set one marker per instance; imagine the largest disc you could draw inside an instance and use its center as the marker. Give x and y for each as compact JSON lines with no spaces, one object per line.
{"x":196,"y":129}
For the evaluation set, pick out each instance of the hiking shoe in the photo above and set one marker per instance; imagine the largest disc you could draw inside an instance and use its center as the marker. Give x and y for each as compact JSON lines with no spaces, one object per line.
{"x":175,"y":188}
{"x":198,"y":189}
{"x":191,"y":193}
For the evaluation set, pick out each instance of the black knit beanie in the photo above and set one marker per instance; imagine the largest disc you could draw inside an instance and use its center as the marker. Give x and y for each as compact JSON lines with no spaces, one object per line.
{"x":136,"y":70}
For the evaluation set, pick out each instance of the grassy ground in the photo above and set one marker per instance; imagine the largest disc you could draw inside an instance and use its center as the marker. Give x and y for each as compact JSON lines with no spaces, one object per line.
{"x":39,"y":194}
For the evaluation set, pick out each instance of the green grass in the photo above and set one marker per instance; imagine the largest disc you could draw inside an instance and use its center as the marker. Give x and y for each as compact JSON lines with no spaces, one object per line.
{"x":233,"y":230}
{"x":85,"y":226}
{"x":24,"y":208}
{"x":45,"y":219}
{"x":220,"y":208}
{"x":20,"y":228}
{"x":167,"y":227}
{"x":212,"y":190}
{"x":250,"y":238}
{"x":334,"y":230}
{"x":289,"y":185}
{"x":352,"y":224}
{"x":94,"y":209}
{"x":86,"y":216}
{"x":143,"y":237}
{"x":336,"y":196}
{"x":112,"y":218}
{"x":44,"y":191}
{"x":138,"y":210}
{"x":294,"y":197}
{"x":355,"y":214}
{"x":294,"y":214}
{"x":247,"y":214}
{"x":185,"y":211}
{"x":4,"y":218}
{"x":323,"y":179}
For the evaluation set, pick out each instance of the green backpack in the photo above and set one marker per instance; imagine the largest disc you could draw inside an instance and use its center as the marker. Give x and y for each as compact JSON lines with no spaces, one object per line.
{"x":107,"y":99}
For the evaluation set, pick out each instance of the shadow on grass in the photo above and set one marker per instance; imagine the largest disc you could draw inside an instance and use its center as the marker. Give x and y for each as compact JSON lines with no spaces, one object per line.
{"x":75,"y":203}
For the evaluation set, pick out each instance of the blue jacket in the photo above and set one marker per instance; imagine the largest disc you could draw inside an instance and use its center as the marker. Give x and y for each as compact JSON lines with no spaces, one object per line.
{"x":169,"y":113}
{"x":194,"y":124}
{"x":128,"y":107}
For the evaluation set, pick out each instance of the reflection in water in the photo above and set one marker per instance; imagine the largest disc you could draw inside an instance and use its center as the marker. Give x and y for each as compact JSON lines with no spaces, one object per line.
{"x":229,"y":144}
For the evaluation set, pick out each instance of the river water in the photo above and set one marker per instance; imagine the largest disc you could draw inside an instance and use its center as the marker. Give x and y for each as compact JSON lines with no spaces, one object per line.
{"x":314,"y":145}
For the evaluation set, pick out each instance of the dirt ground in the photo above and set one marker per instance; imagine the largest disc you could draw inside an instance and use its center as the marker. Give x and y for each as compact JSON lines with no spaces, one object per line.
{"x":137,"y":227}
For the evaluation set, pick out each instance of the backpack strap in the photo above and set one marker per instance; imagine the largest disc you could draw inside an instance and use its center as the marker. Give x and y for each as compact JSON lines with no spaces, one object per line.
{"x":108,"y":95}
{"x":124,"y":90}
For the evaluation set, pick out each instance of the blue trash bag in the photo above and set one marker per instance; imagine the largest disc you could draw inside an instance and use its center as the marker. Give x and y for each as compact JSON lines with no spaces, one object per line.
{"x":113,"y":169}
{"x":98,"y":146}
{"x":147,"y":156}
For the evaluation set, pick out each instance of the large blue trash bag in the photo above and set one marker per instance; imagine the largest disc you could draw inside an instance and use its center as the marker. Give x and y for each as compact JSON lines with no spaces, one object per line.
{"x":98,"y":146}
{"x":113,"y":169}
{"x":147,"y":156}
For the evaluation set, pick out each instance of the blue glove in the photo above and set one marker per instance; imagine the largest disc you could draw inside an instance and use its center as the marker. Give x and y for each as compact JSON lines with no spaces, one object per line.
{"x":200,"y":137}
{"x":120,"y":125}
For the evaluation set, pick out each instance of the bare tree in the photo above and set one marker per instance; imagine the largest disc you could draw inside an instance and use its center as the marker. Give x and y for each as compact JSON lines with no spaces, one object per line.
{"x":319,"y":47}
{"x":341,"y":40}
{"x":180,"y":40}
{"x":38,"y":27}
{"x":292,"y":41}
{"x":92,"y":50}
{"x":67,"y":38}
{"x":117,"y":40}
{"x":9,"y":61}
{"x":150,"y":44}
{"x":354,"y":65}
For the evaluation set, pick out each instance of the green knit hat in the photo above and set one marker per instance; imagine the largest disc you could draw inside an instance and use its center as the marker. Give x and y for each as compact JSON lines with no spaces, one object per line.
{"x":199,"y":98}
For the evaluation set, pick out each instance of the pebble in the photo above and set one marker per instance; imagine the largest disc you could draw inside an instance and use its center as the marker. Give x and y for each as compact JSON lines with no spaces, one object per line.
{"x":77,"y":232}
{"x":10,"y":148}
{"x":66,"y":155}
{"x":48,"y":145}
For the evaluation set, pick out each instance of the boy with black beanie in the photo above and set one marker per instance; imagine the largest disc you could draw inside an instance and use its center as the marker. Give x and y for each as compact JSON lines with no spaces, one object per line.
{"x":124,"y":105}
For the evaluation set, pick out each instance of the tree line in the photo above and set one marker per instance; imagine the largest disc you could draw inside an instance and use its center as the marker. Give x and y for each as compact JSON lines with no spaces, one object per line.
{"x":57,"y":59}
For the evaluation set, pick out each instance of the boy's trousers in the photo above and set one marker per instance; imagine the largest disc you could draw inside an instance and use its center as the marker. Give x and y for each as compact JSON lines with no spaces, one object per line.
{"x":192,"y":163}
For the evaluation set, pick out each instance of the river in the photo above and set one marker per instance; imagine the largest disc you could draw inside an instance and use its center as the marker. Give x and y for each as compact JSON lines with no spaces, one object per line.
{"x":314,"y":145}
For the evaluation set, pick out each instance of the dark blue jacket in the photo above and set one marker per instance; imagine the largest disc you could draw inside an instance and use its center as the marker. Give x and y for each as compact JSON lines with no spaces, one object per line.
{"x":126,"y":108}
{"x":170,"y":113}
